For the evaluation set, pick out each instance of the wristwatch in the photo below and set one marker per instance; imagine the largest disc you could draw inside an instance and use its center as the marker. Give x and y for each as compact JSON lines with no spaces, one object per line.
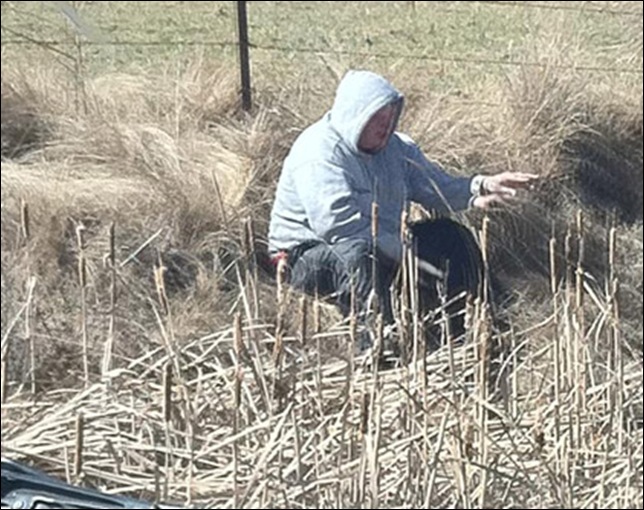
{"x":476,"y":185}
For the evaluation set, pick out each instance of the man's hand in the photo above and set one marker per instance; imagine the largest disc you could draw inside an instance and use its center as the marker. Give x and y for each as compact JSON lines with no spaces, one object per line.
{"x":499,"y":189}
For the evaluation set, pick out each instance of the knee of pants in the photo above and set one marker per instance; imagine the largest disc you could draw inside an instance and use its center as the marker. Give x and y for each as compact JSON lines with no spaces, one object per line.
{"x":353,"y":267}
{"x":352,"y":253}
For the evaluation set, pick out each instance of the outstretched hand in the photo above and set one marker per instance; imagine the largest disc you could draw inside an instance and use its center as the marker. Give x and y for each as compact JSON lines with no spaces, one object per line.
{"x":499,"y":189}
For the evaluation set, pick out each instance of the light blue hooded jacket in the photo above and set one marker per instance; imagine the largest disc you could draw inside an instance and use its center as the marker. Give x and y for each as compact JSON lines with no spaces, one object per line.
{"x":327,"y":185}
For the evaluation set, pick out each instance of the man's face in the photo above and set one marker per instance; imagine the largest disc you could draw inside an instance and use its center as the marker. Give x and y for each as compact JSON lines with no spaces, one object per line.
{"x":376,"y":133}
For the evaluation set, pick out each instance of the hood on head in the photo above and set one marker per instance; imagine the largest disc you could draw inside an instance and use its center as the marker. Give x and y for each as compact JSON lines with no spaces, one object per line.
{"x":359,"y":96}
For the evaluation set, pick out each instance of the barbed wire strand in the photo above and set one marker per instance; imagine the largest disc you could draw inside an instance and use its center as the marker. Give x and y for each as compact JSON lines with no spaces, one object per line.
{"x":50,"y":44}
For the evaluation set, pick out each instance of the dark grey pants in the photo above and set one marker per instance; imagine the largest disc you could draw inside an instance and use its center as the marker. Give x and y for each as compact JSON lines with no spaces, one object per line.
{"x":333,"y":270}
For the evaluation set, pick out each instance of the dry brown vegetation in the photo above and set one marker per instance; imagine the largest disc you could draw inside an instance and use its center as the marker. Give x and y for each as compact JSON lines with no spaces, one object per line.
{"x":134,"y":295}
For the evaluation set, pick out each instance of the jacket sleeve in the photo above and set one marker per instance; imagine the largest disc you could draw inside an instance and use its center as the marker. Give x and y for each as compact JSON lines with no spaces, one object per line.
{"x":431,"y":186}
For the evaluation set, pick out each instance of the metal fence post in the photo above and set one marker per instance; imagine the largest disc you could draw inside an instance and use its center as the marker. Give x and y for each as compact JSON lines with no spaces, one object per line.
{"x":244,"y":60}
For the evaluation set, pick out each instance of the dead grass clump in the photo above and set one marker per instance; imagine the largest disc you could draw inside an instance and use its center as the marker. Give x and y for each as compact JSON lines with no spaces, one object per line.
{"x":605,"y":162}
{"x":23,"y":127}
{"x":589,"y":152}
{"x":178,"y":196}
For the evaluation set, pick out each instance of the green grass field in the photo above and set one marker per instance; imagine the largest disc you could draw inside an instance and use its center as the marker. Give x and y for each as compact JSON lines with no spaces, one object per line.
{"x":135,"y":202}
{"x":381,"y":35}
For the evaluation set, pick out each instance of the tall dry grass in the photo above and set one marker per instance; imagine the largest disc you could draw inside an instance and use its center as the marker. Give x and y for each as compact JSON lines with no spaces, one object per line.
{"x":208,"y":386}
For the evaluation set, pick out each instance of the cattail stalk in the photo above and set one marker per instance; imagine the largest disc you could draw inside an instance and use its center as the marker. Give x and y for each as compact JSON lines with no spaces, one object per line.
{"x":374,"y":441}
{"x":4,"y":381}
{"x":617,"y":348}
{"x":29,"y":337}
{"x":167,"y":392}
{"x":109,"y":343}
{"x":353,"y":342}
{"x":82,"y":277}
{"x":25,"y":231}
{"x":299,"y":470}
{"x":278,"y":348}
{"x":25,"y":224}
{"x":569,"y":363}
{"x":485,"y":254}
{"x":405,"y":336}
{"x":484,"y":375}
{"x":238,"y":347}
{"x":167,"y":419}
{"x":80,"y":432}
{"x":365,"y":417}
{"x":557,"y":350}
{"x":304,"y":304}
{"x":374,"y":259}
{"x":580,"y":372}
{"x":252,"y":267}
{"x":159,"y":280}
